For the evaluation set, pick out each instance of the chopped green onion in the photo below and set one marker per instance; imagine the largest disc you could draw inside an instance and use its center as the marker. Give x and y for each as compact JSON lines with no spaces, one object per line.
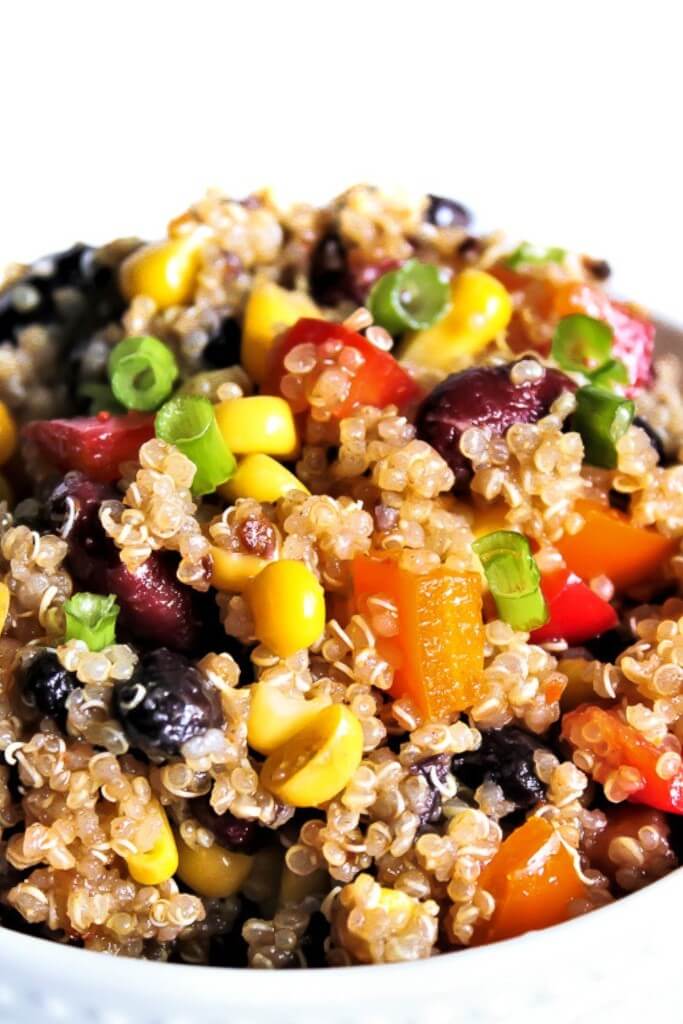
{"x":601,"y":418}
{"x":189,"y":422}
{"x":100,"y":396}
{"x":513,"y":578}
{"x":410,"y":298}
{"x":142,"y":372}
{"x":581,"y":343}
{"x":527,"y":253}
{"x":612,"y":375}
{"x":91,"y":618}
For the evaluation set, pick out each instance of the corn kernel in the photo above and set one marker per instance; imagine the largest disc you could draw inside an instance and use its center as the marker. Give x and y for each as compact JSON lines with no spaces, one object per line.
{"x":4,"y":605}
{"x":261,"y":477}
{"x":276,"y":716}
{"x":481,"y":308}
{"x":8,"y":434}
{"x":294,"y":889}
{"x":269,"y":310}
{"x":233,"y":570}
{"x":165,"y":271}
{"x":213,"y":871}
{"x":260,"y":423}
{"x":317,"y":763}
{"x":288,"y":607}
{"x":161,"y":862}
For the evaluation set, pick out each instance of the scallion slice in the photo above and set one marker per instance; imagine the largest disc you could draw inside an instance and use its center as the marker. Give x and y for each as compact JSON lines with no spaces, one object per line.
{"x":601,"y":417}
{"x":91,"y":618}
{"x":528,"y":254}
{"x":581,"y":343}
{"x":411,"y":298}
{"x":611,"y":376}
{"x":142,"y":372}
{"x":189,"y":422}
{"x":513,"y":578}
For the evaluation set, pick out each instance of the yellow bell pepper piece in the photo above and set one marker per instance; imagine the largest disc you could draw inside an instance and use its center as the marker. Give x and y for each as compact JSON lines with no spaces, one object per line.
{"x":213,"y":871}
{"x":269,"y":310}
{"x":157,"y":865}
{"x":165,"y":271}
{"x":276,"y":716}
{"x":481,"y":308}
{"x":317,"y":763}
{"x":260,"y":423}
{"x":8,"y":434}
{"x":261,"y":477}
{"x":234,"y":570}
{"x":4,"y":605}
{"x":288,"y":606}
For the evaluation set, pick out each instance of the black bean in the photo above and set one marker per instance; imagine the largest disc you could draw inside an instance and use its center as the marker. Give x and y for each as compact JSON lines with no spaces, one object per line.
{"x":447,"y":213}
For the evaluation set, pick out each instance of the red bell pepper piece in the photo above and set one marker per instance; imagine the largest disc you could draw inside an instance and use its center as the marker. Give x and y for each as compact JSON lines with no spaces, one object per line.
{"x":380,"y":381}
{"x":576,"y":613}
{"x":616,"y":744}
{"x":95,"y":445}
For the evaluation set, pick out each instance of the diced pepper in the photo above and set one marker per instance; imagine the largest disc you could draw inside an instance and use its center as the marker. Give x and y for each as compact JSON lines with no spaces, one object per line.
{"x":533,"y":879}
{"x":378,"y":381}
{"x":269,"y":310}
{"x":616,"y":744}
{"x":480,"y":310}
{"x":438,"y":650}
{"x":608,"y":544}
{"x":541,"y":302}
{"x":95,"y":445}
{"x":576,"y":612}
{"x":633,"y":333}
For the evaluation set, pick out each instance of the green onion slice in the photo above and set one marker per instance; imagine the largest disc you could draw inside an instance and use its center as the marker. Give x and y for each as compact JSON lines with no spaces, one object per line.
{"x":410,"y":298}
{"x":100,"y":396}
{"x":142,"y":372}
{"x":91,"y":618}
{"x":581,"y":343}
{"x":612,"y":375}
{"x":189,"y":422}
{"x":528,"y":254}
{"x":601,"y":417}
{"x":513,"y":578}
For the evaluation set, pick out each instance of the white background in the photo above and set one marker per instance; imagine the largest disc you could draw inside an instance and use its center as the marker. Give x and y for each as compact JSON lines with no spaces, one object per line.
{"x":559,"y":121}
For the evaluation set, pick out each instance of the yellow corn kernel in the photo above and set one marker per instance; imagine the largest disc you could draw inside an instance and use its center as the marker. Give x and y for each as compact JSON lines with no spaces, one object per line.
{"x":213,"y":871}
{"x":261,"y":477}
{"x":4,"y":605}
{"x":8,"y":434}
{"x":263,"y":885}
{"x":161,"y":862}
{"x":276,"y":716}
{"x":316,"y":764}
{"x":288,"y":607}
{"x":260,"y":423}
{"x":269,"y":310}
{"x":165,"y":271}
{"x":579,"y":689}
{"x":233,"y":570}
{"x":481,"y":308}
{"x":294,"y":889}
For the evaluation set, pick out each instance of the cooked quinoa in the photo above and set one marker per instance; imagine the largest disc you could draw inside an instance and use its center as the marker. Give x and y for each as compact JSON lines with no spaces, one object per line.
{"x":341,"y":611}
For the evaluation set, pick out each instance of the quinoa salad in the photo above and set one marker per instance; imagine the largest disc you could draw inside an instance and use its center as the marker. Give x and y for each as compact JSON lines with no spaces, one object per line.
{"x":341,"y":617}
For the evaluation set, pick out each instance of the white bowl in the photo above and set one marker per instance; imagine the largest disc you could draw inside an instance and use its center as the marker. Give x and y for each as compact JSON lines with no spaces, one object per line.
{"x":608,"y":961}
{"x":624,"y":958}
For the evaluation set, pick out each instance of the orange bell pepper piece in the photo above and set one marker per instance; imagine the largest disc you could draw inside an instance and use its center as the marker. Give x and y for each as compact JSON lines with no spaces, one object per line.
{"x":608,"y":544}
{"x":438,"y":652}
{"x":533,"y":879}
{"x":617,"y":744}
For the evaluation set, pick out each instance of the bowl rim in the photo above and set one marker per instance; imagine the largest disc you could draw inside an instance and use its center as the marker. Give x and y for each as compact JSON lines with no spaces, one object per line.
{"x":210,"y":984}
